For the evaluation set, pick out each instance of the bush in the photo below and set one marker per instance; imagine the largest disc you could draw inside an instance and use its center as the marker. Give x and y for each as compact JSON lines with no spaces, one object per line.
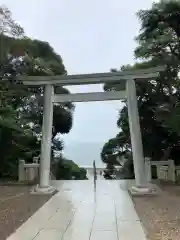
{"x":67,"y":170}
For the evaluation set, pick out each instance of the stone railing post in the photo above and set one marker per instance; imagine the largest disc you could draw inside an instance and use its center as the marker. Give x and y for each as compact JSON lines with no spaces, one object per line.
{"x":148,"y":169}
{"x":171,"y":171}
{"x":35,"y":159}
{"x":163,"y":173}
{"x":158,"y":170}
{"x":177,"y":173}
{"x":21,"y":171}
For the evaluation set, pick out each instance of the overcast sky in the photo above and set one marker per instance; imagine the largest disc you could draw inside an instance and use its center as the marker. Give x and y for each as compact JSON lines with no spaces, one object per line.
{"x":91,"y":36}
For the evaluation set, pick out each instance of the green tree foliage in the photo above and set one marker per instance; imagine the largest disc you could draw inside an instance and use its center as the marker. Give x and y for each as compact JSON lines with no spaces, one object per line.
{"x":109,"y":171}
{"x":65,"y":169}
{"x":161,"y":23}
{"x":115,"y":147}
{"x":21,"y":107}
{"x":158,"y":100}
{"x":109,"y":150}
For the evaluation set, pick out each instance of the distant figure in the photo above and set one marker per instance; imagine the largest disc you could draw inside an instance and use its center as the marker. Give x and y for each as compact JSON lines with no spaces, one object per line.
{"x":94,"y":173}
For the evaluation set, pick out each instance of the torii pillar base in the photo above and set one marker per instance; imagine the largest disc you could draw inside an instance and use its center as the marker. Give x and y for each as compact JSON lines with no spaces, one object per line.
{"x":37,"y":190}
{"x":147,"y":190}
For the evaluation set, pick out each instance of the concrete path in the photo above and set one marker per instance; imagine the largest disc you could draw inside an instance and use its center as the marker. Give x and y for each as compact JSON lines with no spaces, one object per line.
{"x":77,"y":212}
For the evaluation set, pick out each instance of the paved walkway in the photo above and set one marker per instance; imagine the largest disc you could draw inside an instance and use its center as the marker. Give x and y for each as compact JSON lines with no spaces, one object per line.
{"x":76,"y":212}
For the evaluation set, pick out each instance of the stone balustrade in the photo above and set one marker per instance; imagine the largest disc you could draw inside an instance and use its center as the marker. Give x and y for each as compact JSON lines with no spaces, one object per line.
{"x":28,"y":172}
{"x":166,"y":170}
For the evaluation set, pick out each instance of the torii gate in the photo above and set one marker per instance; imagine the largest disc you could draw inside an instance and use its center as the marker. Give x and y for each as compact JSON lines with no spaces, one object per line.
{"x":128,"y":93}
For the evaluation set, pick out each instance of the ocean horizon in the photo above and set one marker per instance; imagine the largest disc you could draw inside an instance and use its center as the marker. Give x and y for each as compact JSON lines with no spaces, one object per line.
{"x":84,"y":153}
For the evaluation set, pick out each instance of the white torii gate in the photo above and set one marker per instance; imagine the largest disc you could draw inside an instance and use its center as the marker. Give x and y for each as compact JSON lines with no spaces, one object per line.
{"x":128,"y":93}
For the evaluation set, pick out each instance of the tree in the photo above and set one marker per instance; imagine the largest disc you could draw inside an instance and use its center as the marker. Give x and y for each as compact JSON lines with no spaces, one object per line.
{"x":159,"y":41}
{"x":7,"y":25}
{"x":114,"y":148}
{"x":67,"y":170}
{"x":13,"y":137}
{"x":21,"y":106}
{"x":158,"y":100}
{"x":108,"y":153}
{"x":161,"y":30}
{"x":109,"y":171}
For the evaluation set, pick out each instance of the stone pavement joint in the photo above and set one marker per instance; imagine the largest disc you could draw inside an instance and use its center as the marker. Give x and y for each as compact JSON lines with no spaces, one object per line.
{"x":78,"y":212}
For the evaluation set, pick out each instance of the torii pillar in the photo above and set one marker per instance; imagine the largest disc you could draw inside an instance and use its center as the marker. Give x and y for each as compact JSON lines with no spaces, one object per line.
{"x":142,"y":186}
{"x":44,"y":186}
